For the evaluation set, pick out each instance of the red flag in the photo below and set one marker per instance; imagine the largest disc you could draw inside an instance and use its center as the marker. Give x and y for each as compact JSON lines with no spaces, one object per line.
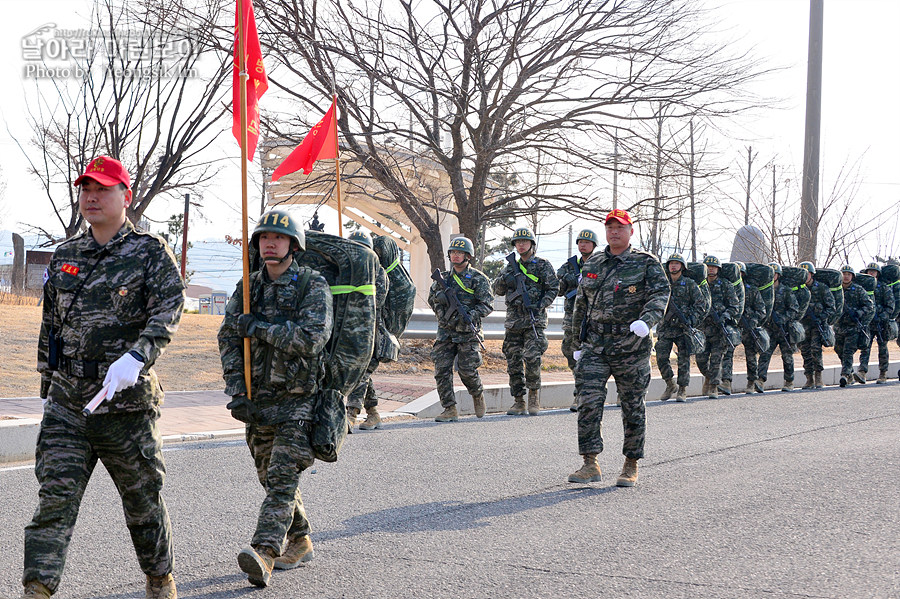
{"x":257,"y":83}
{"x":319,"y":144}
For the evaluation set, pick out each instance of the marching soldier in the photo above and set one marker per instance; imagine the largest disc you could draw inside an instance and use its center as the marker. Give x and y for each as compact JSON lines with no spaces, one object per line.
{"x":725,"y":306}
{"x":289,"y":323}
{"x":460,"y":300}
{"x":364,"y":393}
{"x":859,"y":309}
{"x":530,"y":286}
{"x":753,"y":315}
{"x":622,"y":295}
{"x":820,"y":311}
{"x":686,"y":309}
{"x":112,"y":302}
{"x":878,"y":328}
{"x":569,"y":274}
{"x":785,"y":310}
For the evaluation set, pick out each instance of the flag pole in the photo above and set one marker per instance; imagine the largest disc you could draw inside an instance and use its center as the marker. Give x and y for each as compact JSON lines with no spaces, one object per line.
{"x":337,"y":168}
{"x":242,"y":71}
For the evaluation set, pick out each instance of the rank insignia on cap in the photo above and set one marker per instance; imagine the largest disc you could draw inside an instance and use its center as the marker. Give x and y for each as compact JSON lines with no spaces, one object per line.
{"x":69,"y":269}
{"x":123,"y":291}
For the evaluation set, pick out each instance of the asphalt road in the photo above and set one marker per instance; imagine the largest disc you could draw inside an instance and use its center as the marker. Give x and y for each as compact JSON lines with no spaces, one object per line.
{"x":784,"y":495}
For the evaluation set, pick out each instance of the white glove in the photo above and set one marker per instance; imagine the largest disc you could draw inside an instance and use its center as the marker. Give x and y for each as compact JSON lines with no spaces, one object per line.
{"x":576,"y":354}
{"x":122,"y":373}
{"x":640,"y":328}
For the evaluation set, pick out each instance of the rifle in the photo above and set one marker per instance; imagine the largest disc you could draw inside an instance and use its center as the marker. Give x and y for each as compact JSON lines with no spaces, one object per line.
{"x":721,"y":323}
{"x":818,"y":322}
{"x":691,"y":330}
{"x":455,"y":306}
{"x":749,"y":327}
{"x":573,"y":262}
{"x":780,"y":324}
{"x":521,"y":291}
{"x":863,"y":329}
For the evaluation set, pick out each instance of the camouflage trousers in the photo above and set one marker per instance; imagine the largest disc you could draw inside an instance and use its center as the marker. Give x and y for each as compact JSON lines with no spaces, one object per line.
{"x":811,"y":350}
{"x":523,"y":359}
{"x":69,"y":444}
{"x":749,"y":352}
{"x":632,"y":375}
{"x":846,"y":342}
{"x":567,"y":350}
{"x":280,"y":452}
{"x":787,"y":357}
{"x":709,"y":361}
{"x":884,"y":356}
{"x":364,"y":394}
{"x":467,"y":357}
{"x":663,"y":353}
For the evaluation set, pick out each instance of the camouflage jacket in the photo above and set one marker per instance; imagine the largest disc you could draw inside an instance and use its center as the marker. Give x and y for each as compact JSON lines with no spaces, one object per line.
{"x":473,"y":290}
{"x":884,"y":303}
{"x":690,"y":300}
{"x":131,"y":299}
{"x":614,"y":292}
{"x":754,"y":307}
{"x":541,"y":285}
{"x":286,"y":350}
{"x":821,"y":304}
{"x":785,"y":308}
{"x":724,"y":302}
{"x":569,"y":276}
{"x":858,"y":304}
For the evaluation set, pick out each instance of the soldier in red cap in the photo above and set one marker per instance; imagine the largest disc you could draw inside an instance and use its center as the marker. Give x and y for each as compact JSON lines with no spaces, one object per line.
{"x":113,"y":298}
{"x":622,"y":295}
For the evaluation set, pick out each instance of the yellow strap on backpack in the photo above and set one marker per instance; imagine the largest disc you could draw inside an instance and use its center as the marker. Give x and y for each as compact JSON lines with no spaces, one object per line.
{"x":393,"y":265}
{"x":364,"y":289}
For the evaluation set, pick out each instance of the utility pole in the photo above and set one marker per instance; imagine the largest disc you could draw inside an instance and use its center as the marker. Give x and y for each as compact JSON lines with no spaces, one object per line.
{"x":747,"y":204}
{"x":570,"y":239}
{"x":615,"y":171}
{"x":693,"y":205}
{"x":773,"y":211}
{"x":187,"y":203}
{"x":809,"y":200}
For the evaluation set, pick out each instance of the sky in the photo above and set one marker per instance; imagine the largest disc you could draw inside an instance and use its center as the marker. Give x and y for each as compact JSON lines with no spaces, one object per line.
{"x":860,"y":118}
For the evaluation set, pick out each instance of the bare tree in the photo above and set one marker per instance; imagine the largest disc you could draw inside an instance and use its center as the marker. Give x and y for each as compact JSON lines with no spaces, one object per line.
{"x":138,"y":97}
{"x":480,"y":87}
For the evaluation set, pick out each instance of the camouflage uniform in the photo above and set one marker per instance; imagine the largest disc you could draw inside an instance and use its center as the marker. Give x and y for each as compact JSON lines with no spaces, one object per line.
{"x":569,"y":275}
{"x":364,"y":394}
{"x":131,"y":300}
{"x":724,"y":302}
{"x":523,"y":350}
{"x":615,"y":291}
{"x":884,"y":308}
{"x":455,"y":340}
{"x":785,"y":309}
{"x":286,"y":365}
{"x":846,"y":333}
{"x":671,"y":331}
{"x":755,"y":313}
{"x":821,"y":306}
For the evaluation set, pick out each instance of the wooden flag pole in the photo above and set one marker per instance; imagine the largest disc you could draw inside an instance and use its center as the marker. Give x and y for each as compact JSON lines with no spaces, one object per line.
{"x":337,"y":168}
{"x":242,"y":72}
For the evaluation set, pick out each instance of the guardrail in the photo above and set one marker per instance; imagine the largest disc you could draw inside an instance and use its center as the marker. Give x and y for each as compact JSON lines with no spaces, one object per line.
{"x":423,"y":325}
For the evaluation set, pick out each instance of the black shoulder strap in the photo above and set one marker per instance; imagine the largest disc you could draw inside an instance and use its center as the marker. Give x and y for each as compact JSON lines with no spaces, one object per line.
{"x":302,"y":281}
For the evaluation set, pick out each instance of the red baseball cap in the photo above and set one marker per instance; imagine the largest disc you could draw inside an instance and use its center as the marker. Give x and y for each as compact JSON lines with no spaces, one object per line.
{"x":619,"y":215}
{"x":106,"y":171}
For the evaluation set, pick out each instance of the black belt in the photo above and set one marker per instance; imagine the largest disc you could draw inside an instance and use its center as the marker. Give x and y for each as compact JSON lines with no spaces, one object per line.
{"x":84,"y":369}
{"x":607,"y":328}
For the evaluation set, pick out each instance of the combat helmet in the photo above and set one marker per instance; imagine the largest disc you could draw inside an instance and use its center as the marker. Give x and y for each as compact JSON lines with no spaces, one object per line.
{"x":523,"y":233}
{"x":278,"y":221}
{"x":712,"y":261}
{"x":741,"y":266}
{"x":677,"y":258}
{"x":461,"y":244}
{"x":776,"y":267}
{"x":874,"y":266}
{"x":361,"y":237}
{"x":808,"y":267}
{"x":848,"y":268}
{"x":587,"y":235}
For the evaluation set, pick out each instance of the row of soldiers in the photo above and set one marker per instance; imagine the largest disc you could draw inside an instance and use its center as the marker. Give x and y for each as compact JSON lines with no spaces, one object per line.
{"x":710,"y":324}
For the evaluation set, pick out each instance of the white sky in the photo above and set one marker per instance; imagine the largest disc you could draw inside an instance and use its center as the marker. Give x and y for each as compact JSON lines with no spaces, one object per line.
{"x":860,"y":110}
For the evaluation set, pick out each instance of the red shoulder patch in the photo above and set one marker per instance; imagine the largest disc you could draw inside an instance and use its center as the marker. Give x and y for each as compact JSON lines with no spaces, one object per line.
{"x":68,"y":268}
{"x":591,"y":275}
